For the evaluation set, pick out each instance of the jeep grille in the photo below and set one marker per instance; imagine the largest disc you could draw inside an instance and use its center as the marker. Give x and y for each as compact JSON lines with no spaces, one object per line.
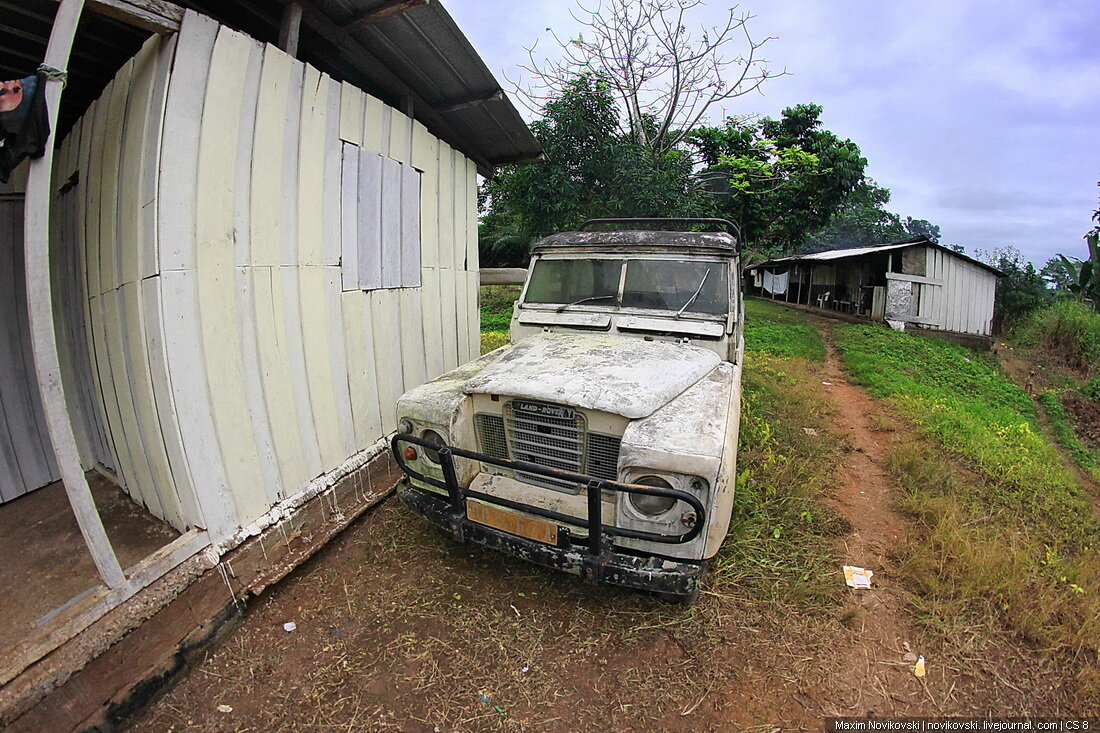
{"x":563,"y":443}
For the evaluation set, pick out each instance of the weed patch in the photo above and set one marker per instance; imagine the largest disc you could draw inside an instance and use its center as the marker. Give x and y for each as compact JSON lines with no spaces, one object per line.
{"x":493,"y":340}
{"x":973,"y":569}
{"x":1068,"y":330}
{"x":496,"y":306}
{"x":496,"y":314}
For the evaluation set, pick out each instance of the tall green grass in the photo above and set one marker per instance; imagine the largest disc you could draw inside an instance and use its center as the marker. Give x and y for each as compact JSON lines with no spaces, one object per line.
{"x":783,"y":535}
{"x":1068,"y":330}
{"x":962,"y":401}
{"x":773,"y":329}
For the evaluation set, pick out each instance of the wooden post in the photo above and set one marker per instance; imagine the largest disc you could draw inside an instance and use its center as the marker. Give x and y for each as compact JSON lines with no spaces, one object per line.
{"x":291,"y":27}
{"x":36,"y":243}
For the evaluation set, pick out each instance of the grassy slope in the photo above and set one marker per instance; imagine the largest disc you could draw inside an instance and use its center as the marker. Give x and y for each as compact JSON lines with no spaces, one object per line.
{"x":1005,"y":535}
{"x":1064,"y":432}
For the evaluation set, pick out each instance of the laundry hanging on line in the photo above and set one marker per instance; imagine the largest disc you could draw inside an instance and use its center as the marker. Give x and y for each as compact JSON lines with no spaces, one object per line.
{"x":776,"y":284}
{"x":24,"y":123}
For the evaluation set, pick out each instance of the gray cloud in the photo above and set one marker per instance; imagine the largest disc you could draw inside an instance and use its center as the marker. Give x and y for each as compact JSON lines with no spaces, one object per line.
{"x":983,"y":117}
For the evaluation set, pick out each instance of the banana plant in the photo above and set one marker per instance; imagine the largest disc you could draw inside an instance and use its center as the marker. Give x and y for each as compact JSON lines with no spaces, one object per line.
{"x":1085,"y":282}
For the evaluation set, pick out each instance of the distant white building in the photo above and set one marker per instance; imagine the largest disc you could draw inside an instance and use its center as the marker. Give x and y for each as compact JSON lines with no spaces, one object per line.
{"x":915,"y":282}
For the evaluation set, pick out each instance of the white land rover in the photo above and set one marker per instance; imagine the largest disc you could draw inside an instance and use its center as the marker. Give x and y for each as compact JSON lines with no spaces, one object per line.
{"x":602,"y":440}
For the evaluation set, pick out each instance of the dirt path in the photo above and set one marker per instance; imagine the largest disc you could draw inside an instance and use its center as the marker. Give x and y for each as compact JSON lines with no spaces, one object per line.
{"x":875,"y":675}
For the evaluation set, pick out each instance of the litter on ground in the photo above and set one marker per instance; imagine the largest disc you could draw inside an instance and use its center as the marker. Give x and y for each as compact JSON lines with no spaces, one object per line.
{"x":918,"y":668}
{"x":857,"y":577}
{"x":290,"y":626}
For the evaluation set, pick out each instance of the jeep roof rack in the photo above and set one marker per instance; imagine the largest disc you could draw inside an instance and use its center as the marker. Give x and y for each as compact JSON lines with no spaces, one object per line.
{"x":664,"y":223}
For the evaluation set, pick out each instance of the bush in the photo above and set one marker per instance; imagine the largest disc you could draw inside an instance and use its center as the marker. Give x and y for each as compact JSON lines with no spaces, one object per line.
{"x":1068,"y":330}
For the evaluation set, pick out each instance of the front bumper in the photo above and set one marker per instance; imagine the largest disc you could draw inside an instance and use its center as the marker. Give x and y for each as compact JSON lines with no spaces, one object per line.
{"x":591,"y":557}
{"x":666,"y":577}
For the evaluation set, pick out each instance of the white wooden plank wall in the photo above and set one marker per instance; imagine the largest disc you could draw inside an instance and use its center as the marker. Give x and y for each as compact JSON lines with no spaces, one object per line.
{"x":230,"y":362}
{"x":964,"y":303}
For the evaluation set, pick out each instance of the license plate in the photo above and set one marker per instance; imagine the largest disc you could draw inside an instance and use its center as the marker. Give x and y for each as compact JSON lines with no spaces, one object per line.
{"x":533,"y":528}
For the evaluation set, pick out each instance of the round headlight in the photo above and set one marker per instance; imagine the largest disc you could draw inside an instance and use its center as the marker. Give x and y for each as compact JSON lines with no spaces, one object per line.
{"x":652,"y":505}
{"x":435,"y":440}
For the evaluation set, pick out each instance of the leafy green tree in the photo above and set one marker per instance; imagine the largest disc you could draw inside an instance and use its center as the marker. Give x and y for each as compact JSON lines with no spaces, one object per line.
{"x":1022,"y":289}
{"x":591,"y":169}
{"x":860,"y":220}
{"x":922,"y":228}
{"x":788,"y":176}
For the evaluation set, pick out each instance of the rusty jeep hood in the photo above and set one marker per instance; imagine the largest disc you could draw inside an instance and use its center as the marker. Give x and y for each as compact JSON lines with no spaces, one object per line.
{"x":621,"y":375}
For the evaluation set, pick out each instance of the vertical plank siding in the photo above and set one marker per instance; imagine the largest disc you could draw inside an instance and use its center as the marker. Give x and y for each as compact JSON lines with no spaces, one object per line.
{"x":227,"y":360}
{"x":964,"y":300}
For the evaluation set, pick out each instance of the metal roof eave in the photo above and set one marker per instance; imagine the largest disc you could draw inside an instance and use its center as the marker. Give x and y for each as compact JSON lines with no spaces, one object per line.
{"x":855,"y":252}
{"x":417,"y":60}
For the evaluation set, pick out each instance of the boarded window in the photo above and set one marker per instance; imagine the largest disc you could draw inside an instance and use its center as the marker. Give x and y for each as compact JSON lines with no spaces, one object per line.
{"x":380,"y":227}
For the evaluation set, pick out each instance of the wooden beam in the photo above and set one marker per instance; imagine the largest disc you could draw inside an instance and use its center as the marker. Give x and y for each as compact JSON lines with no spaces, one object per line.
{"x":503,"y":275}
{"x":385,"y":9}
{"x":470,"y":101}
{"x":913,"y":278}
{"x":157,"y":16}
{"x":64,"y":623}
{"x":36,"y":244}
{"x":290,"y":29}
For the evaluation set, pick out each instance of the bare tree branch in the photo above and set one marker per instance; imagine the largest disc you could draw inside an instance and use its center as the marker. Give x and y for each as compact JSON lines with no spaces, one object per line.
{"x":666,"y":79}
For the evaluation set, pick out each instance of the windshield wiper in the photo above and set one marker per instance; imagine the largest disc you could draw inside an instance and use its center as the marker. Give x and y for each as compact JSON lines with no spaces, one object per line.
{"x":694,"y":295}
{"x":589,"y":299}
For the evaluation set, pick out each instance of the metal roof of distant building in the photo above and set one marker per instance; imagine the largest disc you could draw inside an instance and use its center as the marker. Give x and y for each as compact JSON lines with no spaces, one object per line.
{"x":843,"y":254}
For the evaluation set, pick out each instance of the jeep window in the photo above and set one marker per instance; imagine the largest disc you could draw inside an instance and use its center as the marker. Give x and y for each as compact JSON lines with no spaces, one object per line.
{"x":670,"y":285}
{"x":666,"y":285}
{"x":569,"y":281}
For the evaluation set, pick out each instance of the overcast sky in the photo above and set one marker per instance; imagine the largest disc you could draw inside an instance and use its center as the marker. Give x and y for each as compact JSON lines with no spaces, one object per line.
{"x":981,"y":116}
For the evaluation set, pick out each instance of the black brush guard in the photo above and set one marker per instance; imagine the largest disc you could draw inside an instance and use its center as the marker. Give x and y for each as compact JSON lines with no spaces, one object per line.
{"x":591,"y":556}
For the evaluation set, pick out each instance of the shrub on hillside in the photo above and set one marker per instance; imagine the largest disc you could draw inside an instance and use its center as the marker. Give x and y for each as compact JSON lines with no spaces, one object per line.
{"x":1068,"y":330}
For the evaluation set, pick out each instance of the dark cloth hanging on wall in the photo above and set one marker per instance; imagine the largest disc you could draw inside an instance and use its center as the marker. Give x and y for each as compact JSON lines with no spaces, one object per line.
{"x":24,"y":123}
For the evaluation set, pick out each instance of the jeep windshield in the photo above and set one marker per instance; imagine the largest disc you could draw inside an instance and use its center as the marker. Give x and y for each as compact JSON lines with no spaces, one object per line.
{"x":679,"y":286}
